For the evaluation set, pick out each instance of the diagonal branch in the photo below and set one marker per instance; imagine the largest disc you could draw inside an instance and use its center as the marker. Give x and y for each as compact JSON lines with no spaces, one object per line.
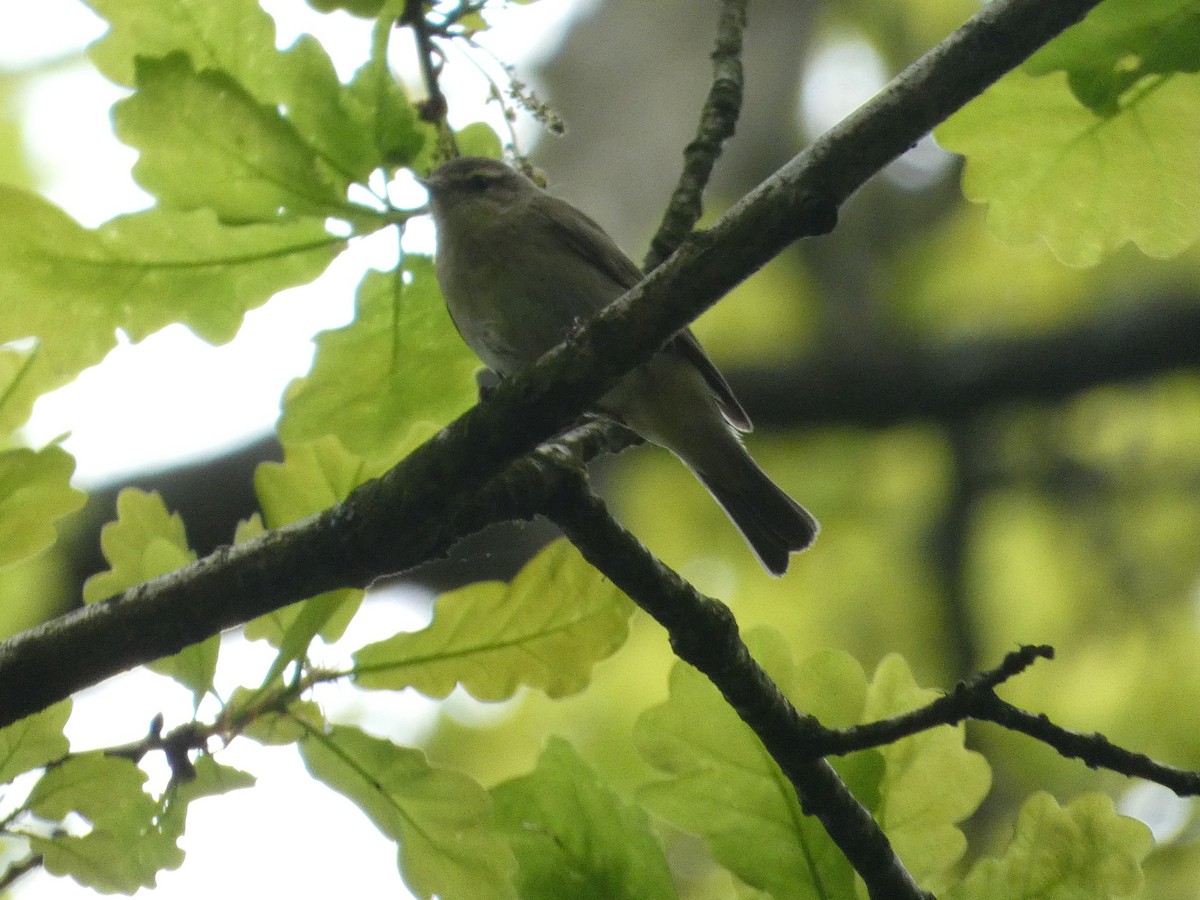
{"x":902,"y":382}
{"x":408,"y":515}
{"x":703,"y":633}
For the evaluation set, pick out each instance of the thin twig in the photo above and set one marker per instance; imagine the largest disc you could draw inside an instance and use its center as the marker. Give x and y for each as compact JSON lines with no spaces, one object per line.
{"x":718,"y":119}
{"x":19,"y":868}
{"x":1094,"y":750}
{"x":949,"y":709}
{"x":975,"y":698}
{"x":435,"y":106}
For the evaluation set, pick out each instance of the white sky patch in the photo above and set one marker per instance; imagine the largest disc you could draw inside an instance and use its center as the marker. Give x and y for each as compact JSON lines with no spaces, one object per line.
{"x":840,"y":76}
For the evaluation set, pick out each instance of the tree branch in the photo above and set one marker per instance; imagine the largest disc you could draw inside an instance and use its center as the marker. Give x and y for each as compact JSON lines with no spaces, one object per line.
{"x":408,"y":515}
{"x":704,"y":633}
{"x":975,"y":698}
{"x":717,"y":122}
{"x":905,"y":382}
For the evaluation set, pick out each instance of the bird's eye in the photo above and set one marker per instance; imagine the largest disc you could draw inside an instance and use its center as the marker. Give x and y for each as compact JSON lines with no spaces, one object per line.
{"x":478,"y":182}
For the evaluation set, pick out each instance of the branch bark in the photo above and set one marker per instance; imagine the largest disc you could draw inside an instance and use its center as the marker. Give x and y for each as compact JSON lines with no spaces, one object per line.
{"x":409,"y":514}
{"x":704,"y":633}
{"x":902,"y":383}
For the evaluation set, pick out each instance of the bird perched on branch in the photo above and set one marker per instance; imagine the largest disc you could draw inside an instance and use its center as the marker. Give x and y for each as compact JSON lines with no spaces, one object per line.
{"x":521,"y":269}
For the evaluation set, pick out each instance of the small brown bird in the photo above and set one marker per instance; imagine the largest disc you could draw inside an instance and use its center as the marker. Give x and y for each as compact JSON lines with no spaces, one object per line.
{"x":520,"y":270}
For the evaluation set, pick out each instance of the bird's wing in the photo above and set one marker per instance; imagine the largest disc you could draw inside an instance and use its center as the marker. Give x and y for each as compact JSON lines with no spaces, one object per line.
{"x":592,"y":243}
{"x":686,"y":345}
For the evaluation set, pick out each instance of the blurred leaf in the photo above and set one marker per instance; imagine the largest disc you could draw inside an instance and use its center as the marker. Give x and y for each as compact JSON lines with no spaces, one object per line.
{"x":546,"y":629}
{"x":574,"y":837}
{"x":930,"y":782}
{"x":34,"y":741}
{"x":365,"y":9}
{"x":35,"y":492}
{"x":72,"y":288}
{"x":1083,"y":851}
{"x":478,"y":139}
{"x":144,"y":542}
{"x":210,"y":779}
{"x":293,"y":627}
{"x":125,"y":848}
{"x":353,"y":128}
{"x":255,"y":167}
{"x":389,"y":380}
{"x":357,"y":127}
{"x":312,"y":477}
{"x":237,"y":36}
{"x":1172,"y":872}
{"x":439,"y":818}
{"x":391,"y":125}
{"x":1118,"y":45}
{"x":1086,"y":184}
{"x":723,"y":786}
{"x":272,"y":727}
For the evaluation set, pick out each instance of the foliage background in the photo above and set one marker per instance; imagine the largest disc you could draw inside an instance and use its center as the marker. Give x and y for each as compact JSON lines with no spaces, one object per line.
{"x":1066,"y":521}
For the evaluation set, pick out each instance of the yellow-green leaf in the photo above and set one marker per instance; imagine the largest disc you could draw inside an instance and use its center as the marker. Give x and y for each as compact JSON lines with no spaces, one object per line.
{"x":545,"y":629}
{"x":35,"y":492}
{"x":1083,"y":851}
{"x":440,"y":818}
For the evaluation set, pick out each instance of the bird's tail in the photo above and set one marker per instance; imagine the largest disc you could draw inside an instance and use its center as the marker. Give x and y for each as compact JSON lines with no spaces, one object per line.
{"x":774,"y":525}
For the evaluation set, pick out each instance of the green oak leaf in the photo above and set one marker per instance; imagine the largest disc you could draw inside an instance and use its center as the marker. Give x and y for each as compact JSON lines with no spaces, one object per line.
{"x":545,"y":629}
{"x":144,"y":542}
{"x":236,"y":36}
{"x":35,"y":492}
{"x":931,"y":782}
{"x":254,"y":167}
{"x":1085,"y":183}
{"x":273,"y":726}
{"x":34,"y":741}
{"x":17,"y":389}
{"x":70,"y":288}
{"x":1119,"y":45}
{"x":478,"y":139}
{"x":575,"y":837}
{"x":351,"y":129}
{"x":1083,"y":851}
{"x":395,"y":131}
{"x":312,"y":477}
{"x":364,"y":9}
{"x":390,"y":379}
{"x":721,"y":785}
{"x":1172,"y":869}
{"x":125,"y":847}
{"x":209,"y":779}
{"x":440,"y":819}
{"x":475,"y":139}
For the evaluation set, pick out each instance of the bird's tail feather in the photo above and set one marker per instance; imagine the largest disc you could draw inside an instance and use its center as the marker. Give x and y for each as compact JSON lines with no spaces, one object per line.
{"x":773,"y":523}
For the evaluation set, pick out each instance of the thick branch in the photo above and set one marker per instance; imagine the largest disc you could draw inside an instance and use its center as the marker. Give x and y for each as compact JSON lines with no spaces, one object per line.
{"x":703,"y":633}
{"x":905,"y":382}
{"x":406,"y":516}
